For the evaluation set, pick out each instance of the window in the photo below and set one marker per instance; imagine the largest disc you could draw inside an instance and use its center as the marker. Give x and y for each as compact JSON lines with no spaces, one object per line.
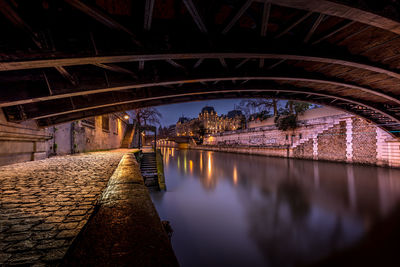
{"x":116,"y":125}
{"x":300,"y":136}
{"x":287,"y":137}
{"x":89,"y":122}
{"x":105,"y":123}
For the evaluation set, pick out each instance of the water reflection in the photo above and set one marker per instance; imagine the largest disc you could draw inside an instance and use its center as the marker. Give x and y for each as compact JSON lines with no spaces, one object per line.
{"x":245,"y":210}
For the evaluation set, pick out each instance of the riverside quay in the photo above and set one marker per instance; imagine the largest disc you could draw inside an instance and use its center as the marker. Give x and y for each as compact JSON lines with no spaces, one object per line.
{"x":200,"y":133}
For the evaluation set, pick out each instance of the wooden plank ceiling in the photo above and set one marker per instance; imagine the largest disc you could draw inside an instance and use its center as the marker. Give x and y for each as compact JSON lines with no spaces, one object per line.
{"x":67,"y":60}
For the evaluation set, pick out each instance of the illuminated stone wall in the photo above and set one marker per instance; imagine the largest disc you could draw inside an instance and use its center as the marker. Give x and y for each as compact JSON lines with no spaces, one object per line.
{"x":341,"y":137}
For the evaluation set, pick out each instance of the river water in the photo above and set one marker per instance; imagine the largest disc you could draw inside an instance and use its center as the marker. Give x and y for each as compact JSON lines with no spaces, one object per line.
{"x":242,"y":210}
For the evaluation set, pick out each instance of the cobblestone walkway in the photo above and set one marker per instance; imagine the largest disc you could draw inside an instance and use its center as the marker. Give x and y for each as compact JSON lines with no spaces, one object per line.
{"x":44,"y":204}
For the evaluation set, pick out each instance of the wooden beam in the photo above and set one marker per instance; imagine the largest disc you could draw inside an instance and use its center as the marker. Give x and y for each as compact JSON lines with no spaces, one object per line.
{"x":195,"y":15}
{"x":116,"y":68}
{"x":48,"y":63}
{"x":141,"y":65}
{"x":215,"y":80}
{"x":223,"y":62}
{"x":102,"y":18}
{"x":294,"y":24}
{"x":47,"y":83}
{"x":9,"y":12}
{"x":7,"y":66}
{"x":198,"y":62}
{"x":276,"y":64}
{"x":314,"y":27}
{"x":261,"y":63}
{"x":335,"y":9}
{"x":362,"y":29}
{"x":237,"y":16}
{"x":379,"y":45}
{"x":67,"y":75}
{"x":242,"y":63}
{"x":335,"y":31}
{"x":194,"y":94}
{"x":265,"y":18}
{"x":148,"y":14}
{"x":175,"y":64}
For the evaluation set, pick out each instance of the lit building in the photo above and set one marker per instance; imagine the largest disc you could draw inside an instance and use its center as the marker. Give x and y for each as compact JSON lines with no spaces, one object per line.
{"x":211,"y":122}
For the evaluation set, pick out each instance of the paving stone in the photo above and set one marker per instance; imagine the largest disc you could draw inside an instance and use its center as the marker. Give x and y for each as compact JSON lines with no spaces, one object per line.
{"x":43,"y":227}
{"x":17,"y":236}
{"x":4,"y":257}
{"x":44,"y":235}
{"x":21,"y":246}
{"x":74,"y":219}
{"x":44,"y":204}
{"x":55,"y":219}
{"x":68,"y":233}
{"x":78,"y":212}
{"x":55,"y":254}
{"x":50,"y":244}
{"x":70,"y":226}
{"x":24,"y":258}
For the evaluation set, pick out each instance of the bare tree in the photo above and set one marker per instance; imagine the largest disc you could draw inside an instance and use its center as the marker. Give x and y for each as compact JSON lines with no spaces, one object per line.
{"x":149,"y":115}
{"x":258,"y":105}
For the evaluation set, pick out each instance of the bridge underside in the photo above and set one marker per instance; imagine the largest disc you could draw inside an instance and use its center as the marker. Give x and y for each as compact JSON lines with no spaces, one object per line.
{"x":67,"y":60}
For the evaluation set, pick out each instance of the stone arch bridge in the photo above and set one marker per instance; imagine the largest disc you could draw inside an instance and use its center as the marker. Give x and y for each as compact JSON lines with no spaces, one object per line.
{"x":66,"y":60}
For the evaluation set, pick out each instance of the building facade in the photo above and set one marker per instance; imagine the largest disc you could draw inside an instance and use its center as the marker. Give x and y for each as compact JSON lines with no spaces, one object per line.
{"x":210,"y":121}
{"x":95,"y":133}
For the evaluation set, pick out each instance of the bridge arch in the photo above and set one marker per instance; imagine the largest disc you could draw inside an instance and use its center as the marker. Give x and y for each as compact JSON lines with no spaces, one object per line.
{"x":345,"y":55}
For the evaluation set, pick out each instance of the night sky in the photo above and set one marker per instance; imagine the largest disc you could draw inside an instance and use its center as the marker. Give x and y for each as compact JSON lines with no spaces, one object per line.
{"x":171,"y":113}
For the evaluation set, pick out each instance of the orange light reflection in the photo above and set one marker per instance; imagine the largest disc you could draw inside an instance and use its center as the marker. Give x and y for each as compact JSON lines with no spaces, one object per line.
{"x":235,"y":176}
{"x":209,"y":164}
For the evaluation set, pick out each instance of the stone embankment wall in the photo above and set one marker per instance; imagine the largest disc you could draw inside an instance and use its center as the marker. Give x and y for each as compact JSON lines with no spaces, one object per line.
{"x":124,"y":229}
{"x":24,"y":141}
{"x":79,"y":136}
{"x":335,"y":136}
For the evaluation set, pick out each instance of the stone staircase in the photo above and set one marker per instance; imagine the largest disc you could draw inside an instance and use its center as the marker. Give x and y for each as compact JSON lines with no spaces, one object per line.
{"x":319,"y":129}
{"x":148,"y":167}
{"x":126,"y":142}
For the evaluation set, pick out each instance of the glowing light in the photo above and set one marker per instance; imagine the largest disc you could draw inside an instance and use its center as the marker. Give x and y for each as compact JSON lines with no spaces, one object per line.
{"x":209,"y":164}
{"x":166,"y":157}
{"x":191,"y":166}
{"x":184,"y":164}
{"x":235,"y":176}
{"x":201,"y":161}
{"x":126,"y":117}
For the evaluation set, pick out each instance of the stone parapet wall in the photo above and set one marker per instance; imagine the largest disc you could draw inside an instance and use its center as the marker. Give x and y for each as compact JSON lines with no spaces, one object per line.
{"x":25,"y":141}
{"x":22,"y":142}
